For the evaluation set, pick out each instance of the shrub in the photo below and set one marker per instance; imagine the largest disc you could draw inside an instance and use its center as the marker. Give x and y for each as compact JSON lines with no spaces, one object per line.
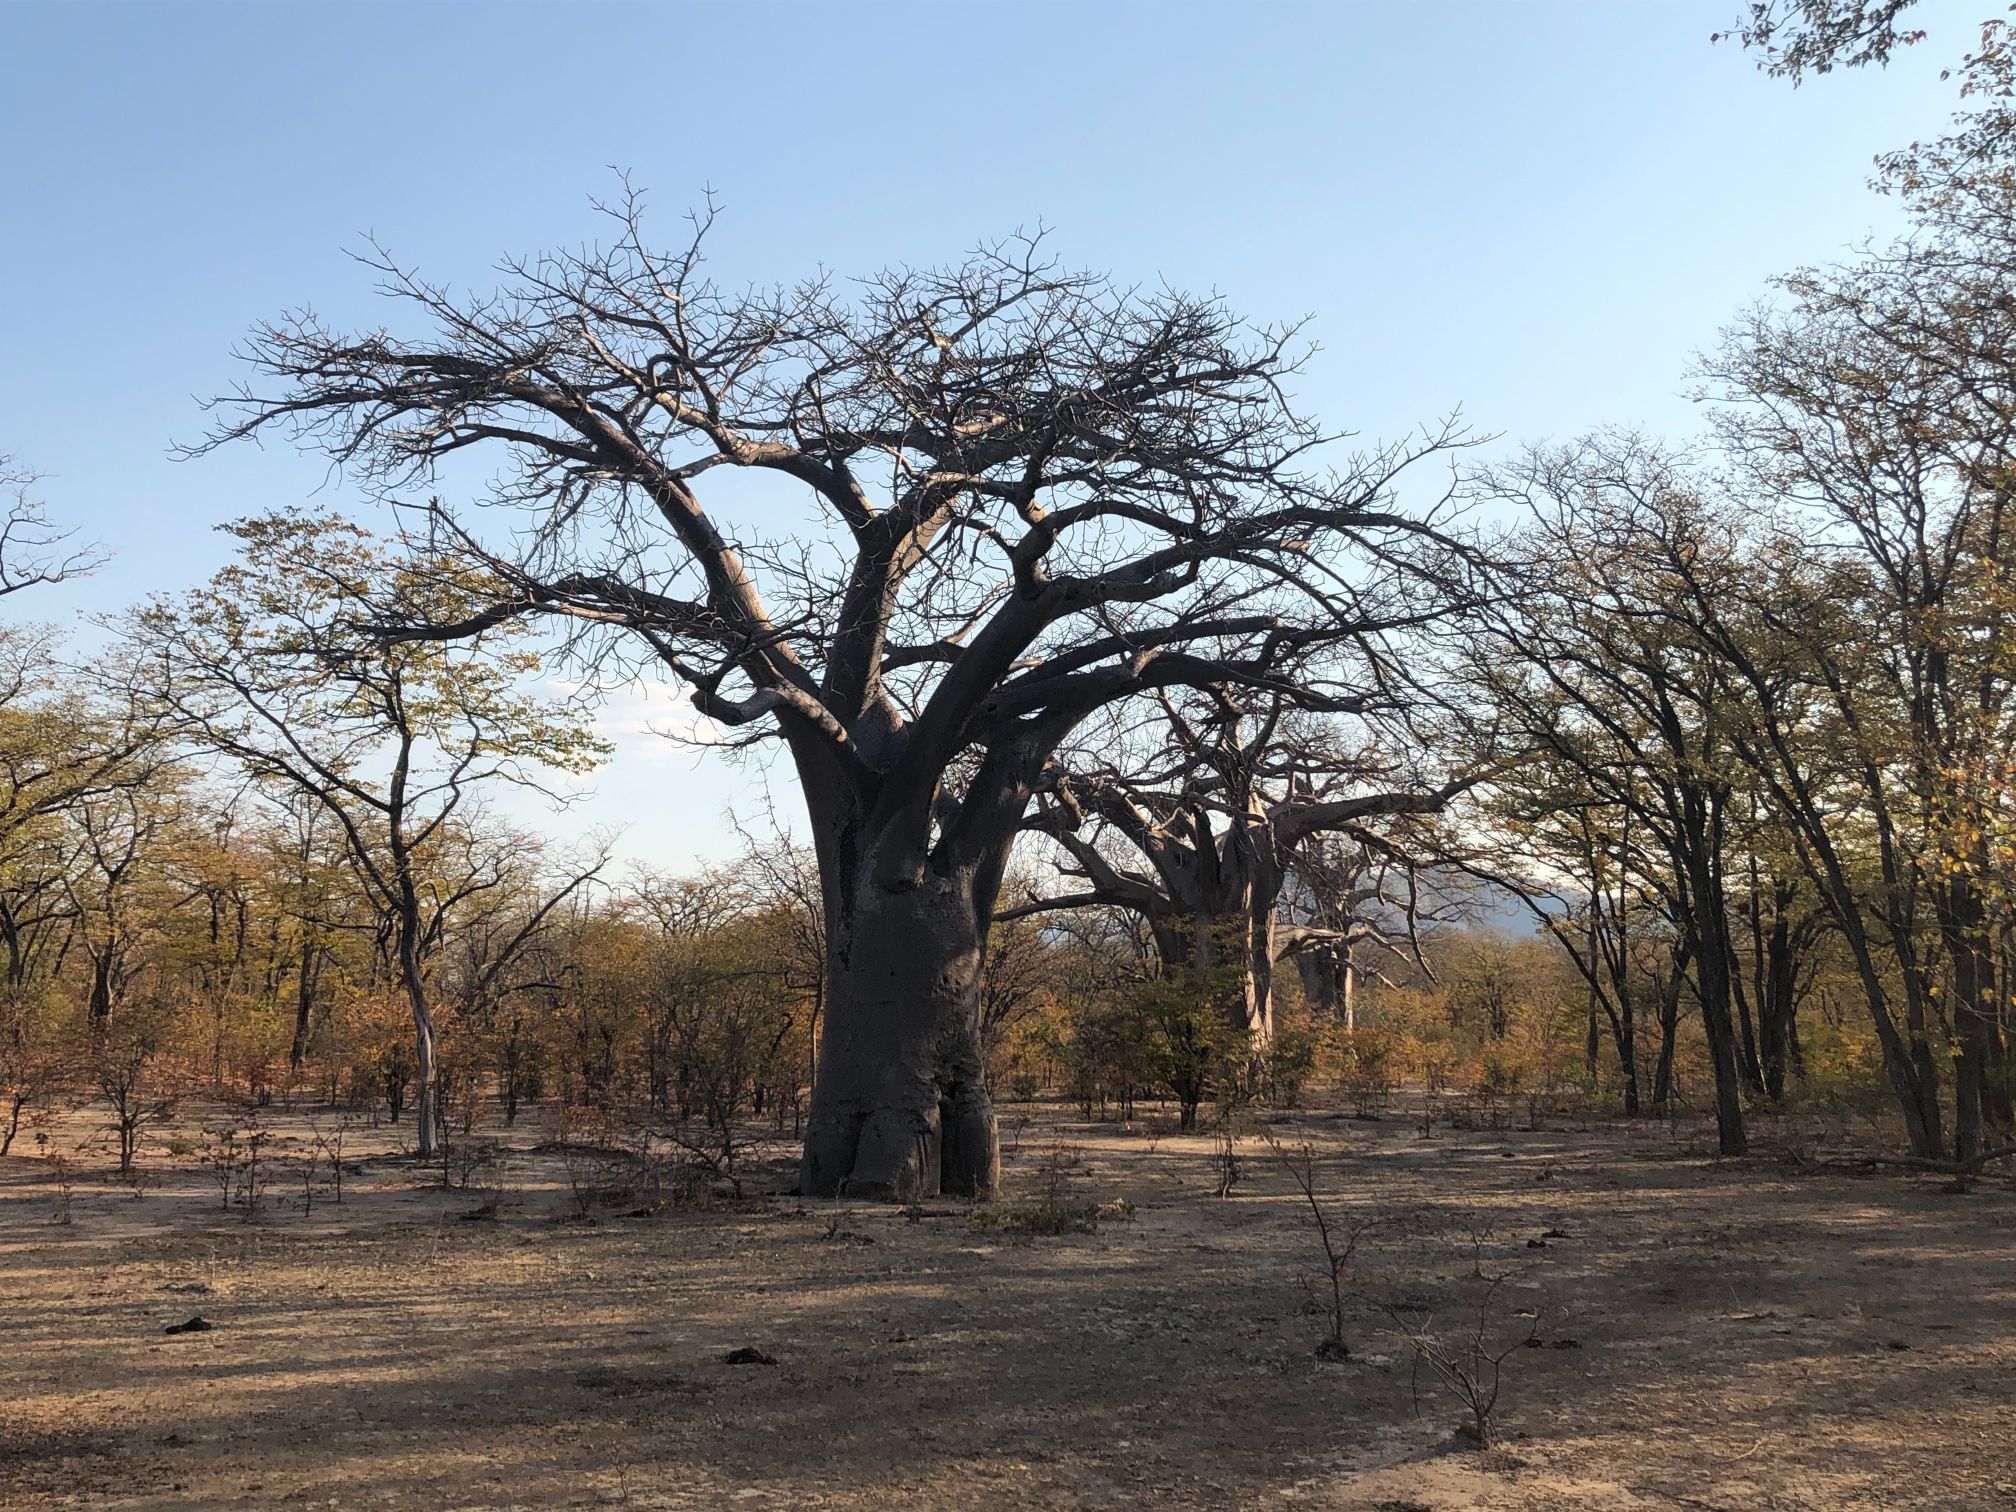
{"x":1501,"y":1075}
{"x":1197,"y":1052}
{"x":1287,"y":1064}
{"x":1369,"y":1071}
{"x":1055,"y":1210}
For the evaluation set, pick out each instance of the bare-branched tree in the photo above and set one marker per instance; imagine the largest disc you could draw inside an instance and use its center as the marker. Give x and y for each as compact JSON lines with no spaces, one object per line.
{"x":1201,"y":836}
{"x":33,"y":549}
{"x":1355,"y":905}
{"x":1032,"y":494}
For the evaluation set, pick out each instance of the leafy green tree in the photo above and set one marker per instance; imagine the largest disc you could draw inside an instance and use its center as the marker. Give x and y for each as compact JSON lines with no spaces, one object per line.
{"x":271,"y":666}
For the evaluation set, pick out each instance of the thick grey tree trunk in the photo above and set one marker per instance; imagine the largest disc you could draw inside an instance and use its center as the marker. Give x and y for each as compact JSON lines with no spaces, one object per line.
{"x":900,"y":1108}
{"x":1329,"y":985}
{"x":1201,"y":945}
{"x":1318,"y":970}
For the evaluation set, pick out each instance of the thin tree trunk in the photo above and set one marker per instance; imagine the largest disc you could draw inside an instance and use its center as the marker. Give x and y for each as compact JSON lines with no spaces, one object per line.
{"x":1669,"y":1031}
{"x":304,"y":1005}
{"x":1777,"y":1002}
{"x":1749,"y":1063}
{"x":1711,"y":923}
{"x":1592,"y":1039}
{"x":425,"y":1093}
{"x":1626,"y":1035}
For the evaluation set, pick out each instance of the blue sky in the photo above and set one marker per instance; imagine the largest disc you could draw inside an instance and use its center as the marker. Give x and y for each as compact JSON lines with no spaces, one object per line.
{"x":1532,"y":211}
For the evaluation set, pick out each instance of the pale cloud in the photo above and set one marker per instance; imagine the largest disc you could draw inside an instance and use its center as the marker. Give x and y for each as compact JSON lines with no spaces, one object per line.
{"x":646,"y":720}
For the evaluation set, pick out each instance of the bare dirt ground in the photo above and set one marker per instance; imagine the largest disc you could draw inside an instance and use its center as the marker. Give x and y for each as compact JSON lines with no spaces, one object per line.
{"x":1744,"y":1335}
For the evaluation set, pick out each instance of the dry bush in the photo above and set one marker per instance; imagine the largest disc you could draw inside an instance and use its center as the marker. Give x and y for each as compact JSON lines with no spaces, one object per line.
{"x":482,"y":1166}
{"x":1465,"y":1351}
{"x":467,"y":1163}
{"x":328,"y":1145}
{"x":32,"y":1060}
{"x":236,"y":1158}
{"x":1369,"y":1064}
{"x":1056,"y":1210}
{"x":1289,"y":1060}
{"x":1226,"y":1131}
{"x":1338,"y":1241}
{"x":62,"y":1176}
{"x":122,"y":1057}
{"x":601,"y":1172}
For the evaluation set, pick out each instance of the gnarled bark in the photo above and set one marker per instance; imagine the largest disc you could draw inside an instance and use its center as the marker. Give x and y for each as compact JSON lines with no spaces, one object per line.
{"x":900,"y":1107}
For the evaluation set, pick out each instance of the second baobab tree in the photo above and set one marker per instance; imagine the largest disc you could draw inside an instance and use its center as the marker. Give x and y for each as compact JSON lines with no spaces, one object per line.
{"x":1200,"y":833}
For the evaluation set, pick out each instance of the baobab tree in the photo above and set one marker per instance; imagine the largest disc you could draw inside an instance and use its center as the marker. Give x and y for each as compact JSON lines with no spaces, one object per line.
{"x":1200,"y":839}
{"x":1021,"y":495}
{"x":1353,"y":905}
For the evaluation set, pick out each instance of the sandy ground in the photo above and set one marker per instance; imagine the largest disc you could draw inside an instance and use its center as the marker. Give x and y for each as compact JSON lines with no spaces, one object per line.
{"x":1744,"y":1335}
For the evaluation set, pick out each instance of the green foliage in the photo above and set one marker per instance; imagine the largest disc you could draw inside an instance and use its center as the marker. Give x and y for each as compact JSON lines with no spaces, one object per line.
{"x":1194,"y":1047}
{"x":1369,"y":1068}
{"x":1501,"y":1075}
{"x":282,"y":661}
{"x":1287,"y":1063}
{"x":1056,"y":1210}
{"x":1105,"y":1047}
{"x":1044,"y":1218}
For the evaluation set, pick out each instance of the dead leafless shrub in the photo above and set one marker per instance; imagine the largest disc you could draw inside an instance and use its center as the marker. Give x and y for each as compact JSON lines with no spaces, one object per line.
{"x":236,"y":1160}
{"x":1482,"y":1108}
{"x":220,"y":1158}
{"x":712,"y":1155}
{"x":836,"y":1231}
{"x":466,"y":1163}
{"x":1338,"y":1241}
{"x":1465,"y":1352}
{"x":642,"y":1165}
{"x":61,"y":1175}
{"x":1226,"y":1162}
{"x":600,"y":1170}
{"x":490,"y":1178}
{"x":597,"y":1178}
{"x":1059,"y":1163}
{"x":329,"y":1146}
{"x":1018,"y":1124}
{"x":252,"y":1180}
